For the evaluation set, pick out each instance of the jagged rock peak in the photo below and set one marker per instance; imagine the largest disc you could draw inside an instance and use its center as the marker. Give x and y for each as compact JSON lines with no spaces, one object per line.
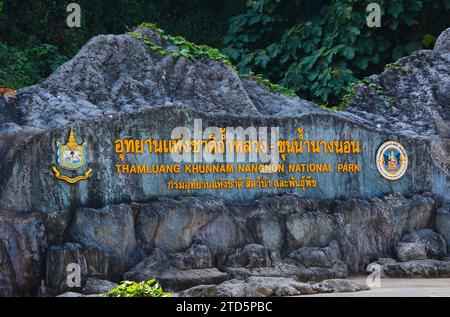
{"x":120,"y":74}
{"x":411,"y":96}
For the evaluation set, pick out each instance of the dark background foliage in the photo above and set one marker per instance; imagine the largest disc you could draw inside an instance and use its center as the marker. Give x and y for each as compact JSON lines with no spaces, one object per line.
{"x":26,"y":25}
{"x":314,"y":47}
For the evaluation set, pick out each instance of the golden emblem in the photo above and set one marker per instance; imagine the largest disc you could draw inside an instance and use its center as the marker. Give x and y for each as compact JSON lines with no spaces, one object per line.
{"x":71,"y":157}
{"x":392,"y":160}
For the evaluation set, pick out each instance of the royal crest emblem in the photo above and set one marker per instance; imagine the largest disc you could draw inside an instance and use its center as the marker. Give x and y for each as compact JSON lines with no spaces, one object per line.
{"x":71,"y":157}
{"x":392,"y":160}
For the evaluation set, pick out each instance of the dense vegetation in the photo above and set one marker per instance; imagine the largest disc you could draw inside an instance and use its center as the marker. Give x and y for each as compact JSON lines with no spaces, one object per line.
{"x":26,"y":25}
{"x":316,"y":48}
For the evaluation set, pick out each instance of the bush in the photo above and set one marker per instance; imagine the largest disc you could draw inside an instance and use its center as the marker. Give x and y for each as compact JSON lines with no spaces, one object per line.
{"x":142,"y":289}
{"x":20,"y":68}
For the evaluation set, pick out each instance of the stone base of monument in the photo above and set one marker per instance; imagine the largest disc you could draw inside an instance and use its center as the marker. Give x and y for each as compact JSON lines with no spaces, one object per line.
{"x":279,"y":237}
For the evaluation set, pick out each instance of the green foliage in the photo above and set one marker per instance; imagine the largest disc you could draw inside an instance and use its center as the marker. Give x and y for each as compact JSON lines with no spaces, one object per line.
{"x":19,"y":68}
{"x":132,"y":289}
{"x":28,"y":23}
{"x":318,"y":48}
{"x":397,"y":67}
{"x":428,"y":40}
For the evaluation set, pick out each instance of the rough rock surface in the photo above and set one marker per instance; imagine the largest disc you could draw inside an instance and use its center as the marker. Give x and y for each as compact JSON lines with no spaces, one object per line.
{"x":257,"y":260}
{"x":442,"y":45}
{"x":22,"y":252}
{"x":247,"y":244}
{"x":443,"y":223}
{"x":431,"y":242}
{"x":93,"y":263}
{"x":115,"y":87}
{"x":419,"y":84}
{"x":416,"y":269}
{"x":203,"y":255}
{"x":407,"y":251}
{"x":120,"y":223}
{"x":270,"y":286}
{"x":96,"y":286}
{"x":159,"y":266}
{"x":422,"y":254}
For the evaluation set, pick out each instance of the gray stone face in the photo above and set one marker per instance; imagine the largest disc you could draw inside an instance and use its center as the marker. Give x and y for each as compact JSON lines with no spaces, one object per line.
{"x":93,"y":262}
{"x":185,"y":264}
{"x":443,"y":223}
{"x":251,"y":256}
{"x":314,"y":256}
{"x":147,"y":221}
{"x":339,"y":286}
{"x":71,"y":294}
{"x":182,"y":219}
{"x":111,"y":228}
{"x":58,"y":259}
{"x":113,"y":224}
{"x":417,"y":269}
{"x":22,"y":246}
{"x":442,"y":45}
{"x":407,"y":251}
{"x":196,"y":257}
{"x":433,"y":243}
{"x":159,"y":265}
{"x":257,"y":260}
{"x":337,"y":258}
{"x":270,"y":286}
{"x":96,"y":286}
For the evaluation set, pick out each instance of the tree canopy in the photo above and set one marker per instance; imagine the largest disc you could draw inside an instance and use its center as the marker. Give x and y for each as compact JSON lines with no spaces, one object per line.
{"x":317,"y":48}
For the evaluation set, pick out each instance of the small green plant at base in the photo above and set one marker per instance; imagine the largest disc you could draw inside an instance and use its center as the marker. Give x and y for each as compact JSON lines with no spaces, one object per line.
{"x":133,"y":289}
